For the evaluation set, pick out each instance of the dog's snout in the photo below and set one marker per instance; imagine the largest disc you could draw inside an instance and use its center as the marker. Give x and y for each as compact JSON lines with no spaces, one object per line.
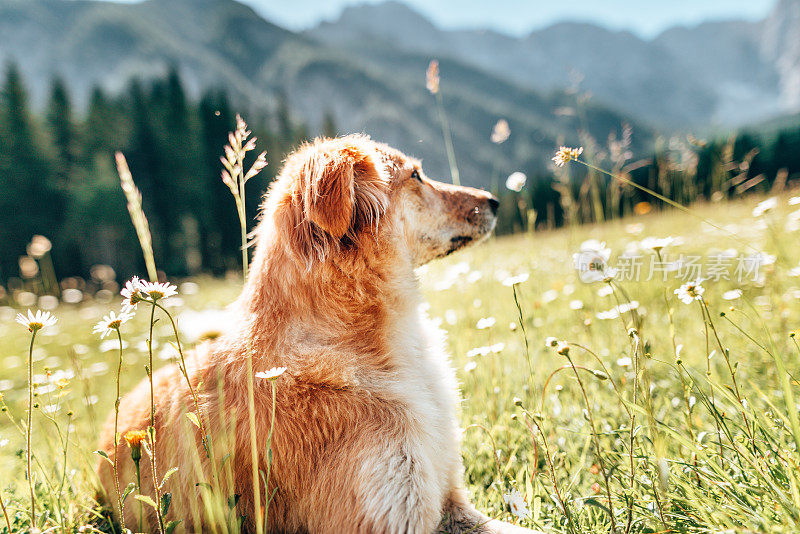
{"x":494,"y":204}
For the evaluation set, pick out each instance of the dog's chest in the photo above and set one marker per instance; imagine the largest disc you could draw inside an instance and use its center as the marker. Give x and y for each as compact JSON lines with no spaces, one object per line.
{"x":428,"y":390}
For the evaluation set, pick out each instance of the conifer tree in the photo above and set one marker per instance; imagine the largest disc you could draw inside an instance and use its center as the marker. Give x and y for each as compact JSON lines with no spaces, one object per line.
{"x":30,"y":203}
{"x":62,"y":132}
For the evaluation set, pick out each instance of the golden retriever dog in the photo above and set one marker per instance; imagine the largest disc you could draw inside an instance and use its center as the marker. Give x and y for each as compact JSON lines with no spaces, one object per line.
{"x":366,"y":434}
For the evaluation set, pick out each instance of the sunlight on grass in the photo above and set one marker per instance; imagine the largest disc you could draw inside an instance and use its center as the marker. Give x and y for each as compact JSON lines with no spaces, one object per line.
{"x":704,"y":385}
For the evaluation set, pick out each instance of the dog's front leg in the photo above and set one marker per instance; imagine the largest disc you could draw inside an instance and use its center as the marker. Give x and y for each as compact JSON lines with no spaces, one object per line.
{"x":376,"y":484}
{"x":460,"y":517}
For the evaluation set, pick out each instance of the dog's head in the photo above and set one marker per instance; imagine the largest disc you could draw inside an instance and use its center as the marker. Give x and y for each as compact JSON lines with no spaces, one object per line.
{"x":349,"y":195}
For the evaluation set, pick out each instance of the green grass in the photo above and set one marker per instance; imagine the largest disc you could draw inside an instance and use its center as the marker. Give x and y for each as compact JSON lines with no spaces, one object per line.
{"x":684,"y":477}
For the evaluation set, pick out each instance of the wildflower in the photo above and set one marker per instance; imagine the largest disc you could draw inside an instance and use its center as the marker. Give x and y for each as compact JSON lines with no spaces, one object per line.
{"x":485,"y":322}
{"x":765,"y":206}
{"x":732,"y":294}
{"x":608,"y":315}
{"x":550,"y":342}
{"x":576,"y":305}
{"x":500,"y":132}
{"x":470,"y":367}
{"x":202,"y":325}
{"x":549,"y":296}
{"x":514,"y":280}
{"x":634,"y":228}
{"x":132,"y":294}
{"x":690,"y":291}
{"x":592,"y":262}
{"x":517,"y":504}
{"x":478,"y":351}
{"x":61,"y":383}
{"x":516,"y":181}
{"x":158,"y":291}
{"x":566,"y":154}
{"x":517,"y":401}
{"x":134,"y":439}
{"x":657,"y":243}
{"x":562,"y":347}
{"x":111,"y":322}
{"x":271,"y":374}
{"x":432,"y":77}
{"x":35,"y":322}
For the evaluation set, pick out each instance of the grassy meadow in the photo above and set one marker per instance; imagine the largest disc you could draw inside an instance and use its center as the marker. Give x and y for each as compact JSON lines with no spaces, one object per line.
{"x":713,"y":446}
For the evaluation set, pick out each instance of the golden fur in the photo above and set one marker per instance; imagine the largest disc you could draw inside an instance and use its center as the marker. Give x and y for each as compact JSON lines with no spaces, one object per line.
{"x":366,"y":433}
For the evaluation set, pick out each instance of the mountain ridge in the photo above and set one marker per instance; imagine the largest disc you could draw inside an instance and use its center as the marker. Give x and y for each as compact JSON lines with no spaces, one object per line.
{"x":226,"y":44}
{"x":725,"y":80}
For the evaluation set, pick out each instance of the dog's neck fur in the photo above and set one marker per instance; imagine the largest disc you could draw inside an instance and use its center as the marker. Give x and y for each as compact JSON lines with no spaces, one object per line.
{"x":344,"y":302}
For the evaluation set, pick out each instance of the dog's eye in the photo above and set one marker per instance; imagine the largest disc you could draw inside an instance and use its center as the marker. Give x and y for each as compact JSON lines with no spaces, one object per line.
{"x":415,"y":175}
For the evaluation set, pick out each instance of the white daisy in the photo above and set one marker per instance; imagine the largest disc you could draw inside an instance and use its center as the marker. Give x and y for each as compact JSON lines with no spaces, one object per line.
{"x":592,"y":262}
{"x":271,"y":374}
{"x":576,"y":304}
{"x":516,"y":502}
{"x":35,"y":322}
{"x":733,"y":294}
{"x":158,"y":291}
{"x":765,"y":206}
{"x":111,"y":322}
{"x":608,"y":314}
{"x":514,"y":280}
{"x":131,"y":294}
{"x":485,"y":322}
{"x":478,"y":351}
{"x":690,"y":291}
{"x":656,"y":243}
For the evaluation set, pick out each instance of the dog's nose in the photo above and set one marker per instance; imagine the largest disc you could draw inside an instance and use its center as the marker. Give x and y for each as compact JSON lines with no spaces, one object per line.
{"x":494,"y":204}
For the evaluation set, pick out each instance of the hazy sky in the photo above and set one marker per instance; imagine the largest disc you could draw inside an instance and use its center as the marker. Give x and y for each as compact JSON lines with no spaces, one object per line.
{"x":645,"y":17}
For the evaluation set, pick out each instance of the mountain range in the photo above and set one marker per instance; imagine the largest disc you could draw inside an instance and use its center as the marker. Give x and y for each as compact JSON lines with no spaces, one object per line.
{"x":719,"y":73}
{"x":367,"y":70}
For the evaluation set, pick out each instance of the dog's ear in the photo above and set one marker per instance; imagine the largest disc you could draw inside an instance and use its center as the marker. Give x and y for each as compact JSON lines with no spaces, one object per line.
{"x":329,"y":188}
{"x":333,"y":189}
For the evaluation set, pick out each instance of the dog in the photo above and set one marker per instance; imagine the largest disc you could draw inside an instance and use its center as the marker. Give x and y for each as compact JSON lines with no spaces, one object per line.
{"x":365,"y":435}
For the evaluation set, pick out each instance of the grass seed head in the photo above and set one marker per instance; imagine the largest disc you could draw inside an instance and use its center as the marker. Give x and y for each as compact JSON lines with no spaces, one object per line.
{"x":432,"y":77}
